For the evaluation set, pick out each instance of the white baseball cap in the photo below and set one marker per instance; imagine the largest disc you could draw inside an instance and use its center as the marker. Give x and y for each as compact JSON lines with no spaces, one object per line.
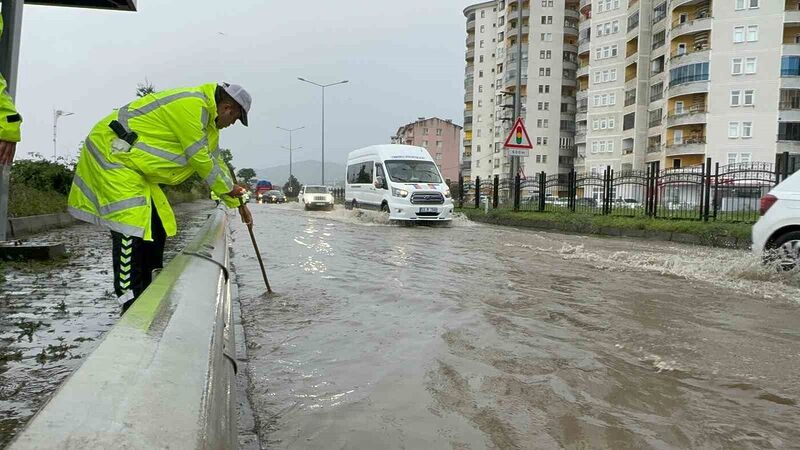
{"x":241,"y":96}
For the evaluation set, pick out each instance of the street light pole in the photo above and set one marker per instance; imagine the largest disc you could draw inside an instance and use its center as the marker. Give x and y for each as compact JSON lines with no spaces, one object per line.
{"x":56,"y":114}
{"x":517,"y":102}
{"x":290,"y":131}
{"x":323,"y":86}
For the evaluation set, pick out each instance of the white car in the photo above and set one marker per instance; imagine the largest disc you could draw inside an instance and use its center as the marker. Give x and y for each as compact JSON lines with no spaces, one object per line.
{"x":316,"y":197}
{"x":776,"y":235}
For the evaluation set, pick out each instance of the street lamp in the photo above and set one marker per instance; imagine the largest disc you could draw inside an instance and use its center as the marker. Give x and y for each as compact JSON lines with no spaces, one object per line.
{"x":56,"y":114}
{"x":323,"y":86}
{"x":290,"y":148}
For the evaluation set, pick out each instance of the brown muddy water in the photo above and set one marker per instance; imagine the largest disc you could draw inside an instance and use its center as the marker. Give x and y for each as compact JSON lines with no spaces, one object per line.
{"x":52,"y":315}
{"x":474,"y":336}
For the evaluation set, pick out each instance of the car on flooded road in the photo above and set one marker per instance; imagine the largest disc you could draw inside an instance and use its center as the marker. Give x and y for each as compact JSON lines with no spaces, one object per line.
{"x":273,"y":196}
{"x":316,"y":197}
{"x":776,"y":235}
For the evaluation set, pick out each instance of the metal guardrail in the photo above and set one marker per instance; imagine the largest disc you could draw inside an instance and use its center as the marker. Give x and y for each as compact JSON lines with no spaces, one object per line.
{"x":163,"y":377}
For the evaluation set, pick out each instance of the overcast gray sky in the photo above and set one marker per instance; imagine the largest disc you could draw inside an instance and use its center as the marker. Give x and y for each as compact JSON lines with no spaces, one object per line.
{"x":403,"y":59}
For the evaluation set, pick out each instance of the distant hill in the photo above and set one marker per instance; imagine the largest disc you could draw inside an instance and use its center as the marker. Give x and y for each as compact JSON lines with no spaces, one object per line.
{"x":306,"y":172}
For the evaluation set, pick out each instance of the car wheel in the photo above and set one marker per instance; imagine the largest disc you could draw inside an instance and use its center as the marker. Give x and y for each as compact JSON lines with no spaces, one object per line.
{"x":385,"y":208}
{"x":784,"y":251}
{"x":354,"y":204}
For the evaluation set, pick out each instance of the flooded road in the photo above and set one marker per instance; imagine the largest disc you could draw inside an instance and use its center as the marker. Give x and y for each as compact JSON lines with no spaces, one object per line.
{"x":52,"y":315}
{"x":476,"y":336}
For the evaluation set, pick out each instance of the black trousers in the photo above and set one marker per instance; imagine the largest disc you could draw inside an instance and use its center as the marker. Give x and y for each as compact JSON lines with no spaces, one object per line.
{"x":134,"y":260}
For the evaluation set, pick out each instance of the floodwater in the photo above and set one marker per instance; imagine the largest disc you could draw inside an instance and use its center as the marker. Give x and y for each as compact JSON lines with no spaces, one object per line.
{"x":474,"y":336}
{"x":52,"y":315}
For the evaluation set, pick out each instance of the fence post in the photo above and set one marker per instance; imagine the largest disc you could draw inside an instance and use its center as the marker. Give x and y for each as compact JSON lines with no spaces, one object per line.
{"x":716,"y":189}
{"x":461,"y":191}
{"x":656,"y":176}
{"x":785,"y":165}
{"x":542,"y":188}
{"x":648,"y":191}
{"x":477,"y":192}
{"x":707,"y":185}
{"x":572,"y":190}
{"x":495,"y":191}
{"x":606,"y":190}
{"x":516,"y":192}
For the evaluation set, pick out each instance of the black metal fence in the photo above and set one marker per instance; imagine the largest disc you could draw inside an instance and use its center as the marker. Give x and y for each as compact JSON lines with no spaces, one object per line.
{"x":703,"y":192}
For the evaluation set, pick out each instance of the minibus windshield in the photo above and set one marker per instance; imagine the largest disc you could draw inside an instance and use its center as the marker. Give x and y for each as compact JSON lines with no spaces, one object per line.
{"x":413,"y":172}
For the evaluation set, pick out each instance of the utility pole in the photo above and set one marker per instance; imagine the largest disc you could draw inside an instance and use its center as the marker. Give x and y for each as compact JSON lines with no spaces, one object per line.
{"x":290,"y":148}
{"x":56,"y":114}
{"x":323,"y":86}
{"x":517,"y":100}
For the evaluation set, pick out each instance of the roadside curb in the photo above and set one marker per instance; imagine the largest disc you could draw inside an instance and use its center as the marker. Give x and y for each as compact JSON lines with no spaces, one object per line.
{"x":23,"y":226}
{"x":572,"y":228}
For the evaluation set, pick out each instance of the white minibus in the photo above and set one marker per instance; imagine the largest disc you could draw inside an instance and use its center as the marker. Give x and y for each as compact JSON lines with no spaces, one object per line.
{"x":401,"y":180}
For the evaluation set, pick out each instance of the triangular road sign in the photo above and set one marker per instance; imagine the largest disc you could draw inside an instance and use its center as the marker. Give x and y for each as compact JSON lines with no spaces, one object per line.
{"x":518,"y":137}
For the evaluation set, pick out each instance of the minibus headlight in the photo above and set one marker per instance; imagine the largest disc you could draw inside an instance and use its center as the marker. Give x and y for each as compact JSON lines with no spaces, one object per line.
{"x":447,"y":192}
{"x":399,"y":192}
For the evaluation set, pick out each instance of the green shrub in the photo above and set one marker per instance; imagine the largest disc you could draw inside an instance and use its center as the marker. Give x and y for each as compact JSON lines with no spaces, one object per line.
{"x":43,"y":175}
{"x":27,"y":201}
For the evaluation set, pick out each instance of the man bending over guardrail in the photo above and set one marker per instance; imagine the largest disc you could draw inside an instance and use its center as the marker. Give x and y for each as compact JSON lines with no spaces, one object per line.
{"x":161,"y":138}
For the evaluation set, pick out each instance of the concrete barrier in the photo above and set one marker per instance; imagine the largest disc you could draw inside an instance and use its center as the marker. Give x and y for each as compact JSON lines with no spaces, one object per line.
{"x":163,"y":377}
{"x":23,"y":226}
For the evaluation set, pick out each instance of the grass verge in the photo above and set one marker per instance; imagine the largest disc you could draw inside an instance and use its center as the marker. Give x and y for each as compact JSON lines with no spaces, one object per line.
{"x":26,"y":201}
{"x":717,"y":234}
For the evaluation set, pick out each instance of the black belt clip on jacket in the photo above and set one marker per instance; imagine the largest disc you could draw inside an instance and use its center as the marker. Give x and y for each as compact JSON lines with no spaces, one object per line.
{"x":128,"y":136}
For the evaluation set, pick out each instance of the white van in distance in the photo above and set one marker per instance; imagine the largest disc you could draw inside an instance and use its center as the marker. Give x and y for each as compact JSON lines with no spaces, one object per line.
{"x":401,"y":180}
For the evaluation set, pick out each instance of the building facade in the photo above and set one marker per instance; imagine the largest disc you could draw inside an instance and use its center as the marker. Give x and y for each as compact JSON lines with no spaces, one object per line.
{"x":442,"y":139}
{"x":643,"y":81}
{"x":548,"y":49}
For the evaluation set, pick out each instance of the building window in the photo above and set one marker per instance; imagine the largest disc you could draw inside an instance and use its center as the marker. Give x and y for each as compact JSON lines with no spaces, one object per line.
{"x":733,"y":130}
{"x":424,"y":131}
{"x":544,"y":88}
{"x":545,"y":54}
{"x":478,"y":148}
{"x":544,"y":71}
{"x":438,"y":156}
{"x":480,"y":74}
{"x":480,"y":88}
{"x":547,"y":20}
{"x":749,"y":97}
{"x":738,"y":34}
{"x":737,"y":66}
{"x":425,"y":144}
{"x":736,"y":97}
{"x":628,"y":121}
{"x":656,"y":92}
{"x":547,"y":37}
{"x":547,"y":3}
{"x":789,"y":131}
{"x":752,"y":33}
{"x":538,"y":159}
{"x":481,"y":43}
{"x":480,"y":58}
{"x":659,"y":39}
{"x":747,"y":130}
{"x":438,"y":131}
{"x":747,"y":4}
{"x":750,"y":65}
{"x":544,"y":159}
{"x":483,"y":28}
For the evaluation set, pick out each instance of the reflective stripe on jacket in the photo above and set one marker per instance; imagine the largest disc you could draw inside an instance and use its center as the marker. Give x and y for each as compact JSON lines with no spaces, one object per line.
{"x":10,"y":120}
{"x":177,"y":137}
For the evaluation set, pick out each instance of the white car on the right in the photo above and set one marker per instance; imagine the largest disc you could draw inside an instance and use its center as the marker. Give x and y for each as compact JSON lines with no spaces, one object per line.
{"x":776,"y":235}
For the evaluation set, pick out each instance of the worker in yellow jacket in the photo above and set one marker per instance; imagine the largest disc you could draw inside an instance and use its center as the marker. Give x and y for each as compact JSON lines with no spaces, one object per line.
{"x":10,"y":121}
{"x":161,"y":138}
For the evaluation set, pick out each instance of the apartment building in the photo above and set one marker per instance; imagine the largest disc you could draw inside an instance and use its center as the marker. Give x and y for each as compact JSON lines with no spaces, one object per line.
{"x":548,"y":49}
{"x":442,"y":139}
{"x":677,"y":81}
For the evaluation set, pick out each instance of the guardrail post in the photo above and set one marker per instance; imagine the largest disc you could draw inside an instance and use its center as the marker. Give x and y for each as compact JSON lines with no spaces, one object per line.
{"x":516,"y":192}
{"x":542,"y":188}
{"x":495,"y":191}
{"x":477,"y":192}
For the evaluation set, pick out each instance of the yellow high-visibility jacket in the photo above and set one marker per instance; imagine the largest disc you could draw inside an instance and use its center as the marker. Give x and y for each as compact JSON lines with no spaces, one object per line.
{"x":10,"y":120}
{"x":177,"y":136}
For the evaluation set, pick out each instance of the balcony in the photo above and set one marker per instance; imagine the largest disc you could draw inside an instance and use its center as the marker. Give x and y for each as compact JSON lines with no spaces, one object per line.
{"x":689,"y":146}
{"x":571,"y":27}
{"x":572,"y":13}
{"x":655,"y":148}
{"x":468,"y":96}
{"x":470,"y":40}
{"x":583,"y":106}
{"x":465,"y":166}
{"x":584,"y":45}
{"x":471,"y":25}
{"x":580,"y":136}
{"x":467,"y":115}
{"x":470,"y":55}
{"x":512,"y":30}
{"x":689,"y":57}
{"x":682,"y":28}
{"x":585,"y":7}
{"x":630,"y":97}
{"x":791,"y":49}
{"x":687,"y":87}
{"x":693,"y":115}
{"x":791,"y":17}
{"x":467,"y":142}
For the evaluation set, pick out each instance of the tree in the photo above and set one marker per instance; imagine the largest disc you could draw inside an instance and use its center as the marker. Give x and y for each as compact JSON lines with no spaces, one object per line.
{"x":145,"y":88}
{"x":292,"y":187}
{"x":246,"y":175}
